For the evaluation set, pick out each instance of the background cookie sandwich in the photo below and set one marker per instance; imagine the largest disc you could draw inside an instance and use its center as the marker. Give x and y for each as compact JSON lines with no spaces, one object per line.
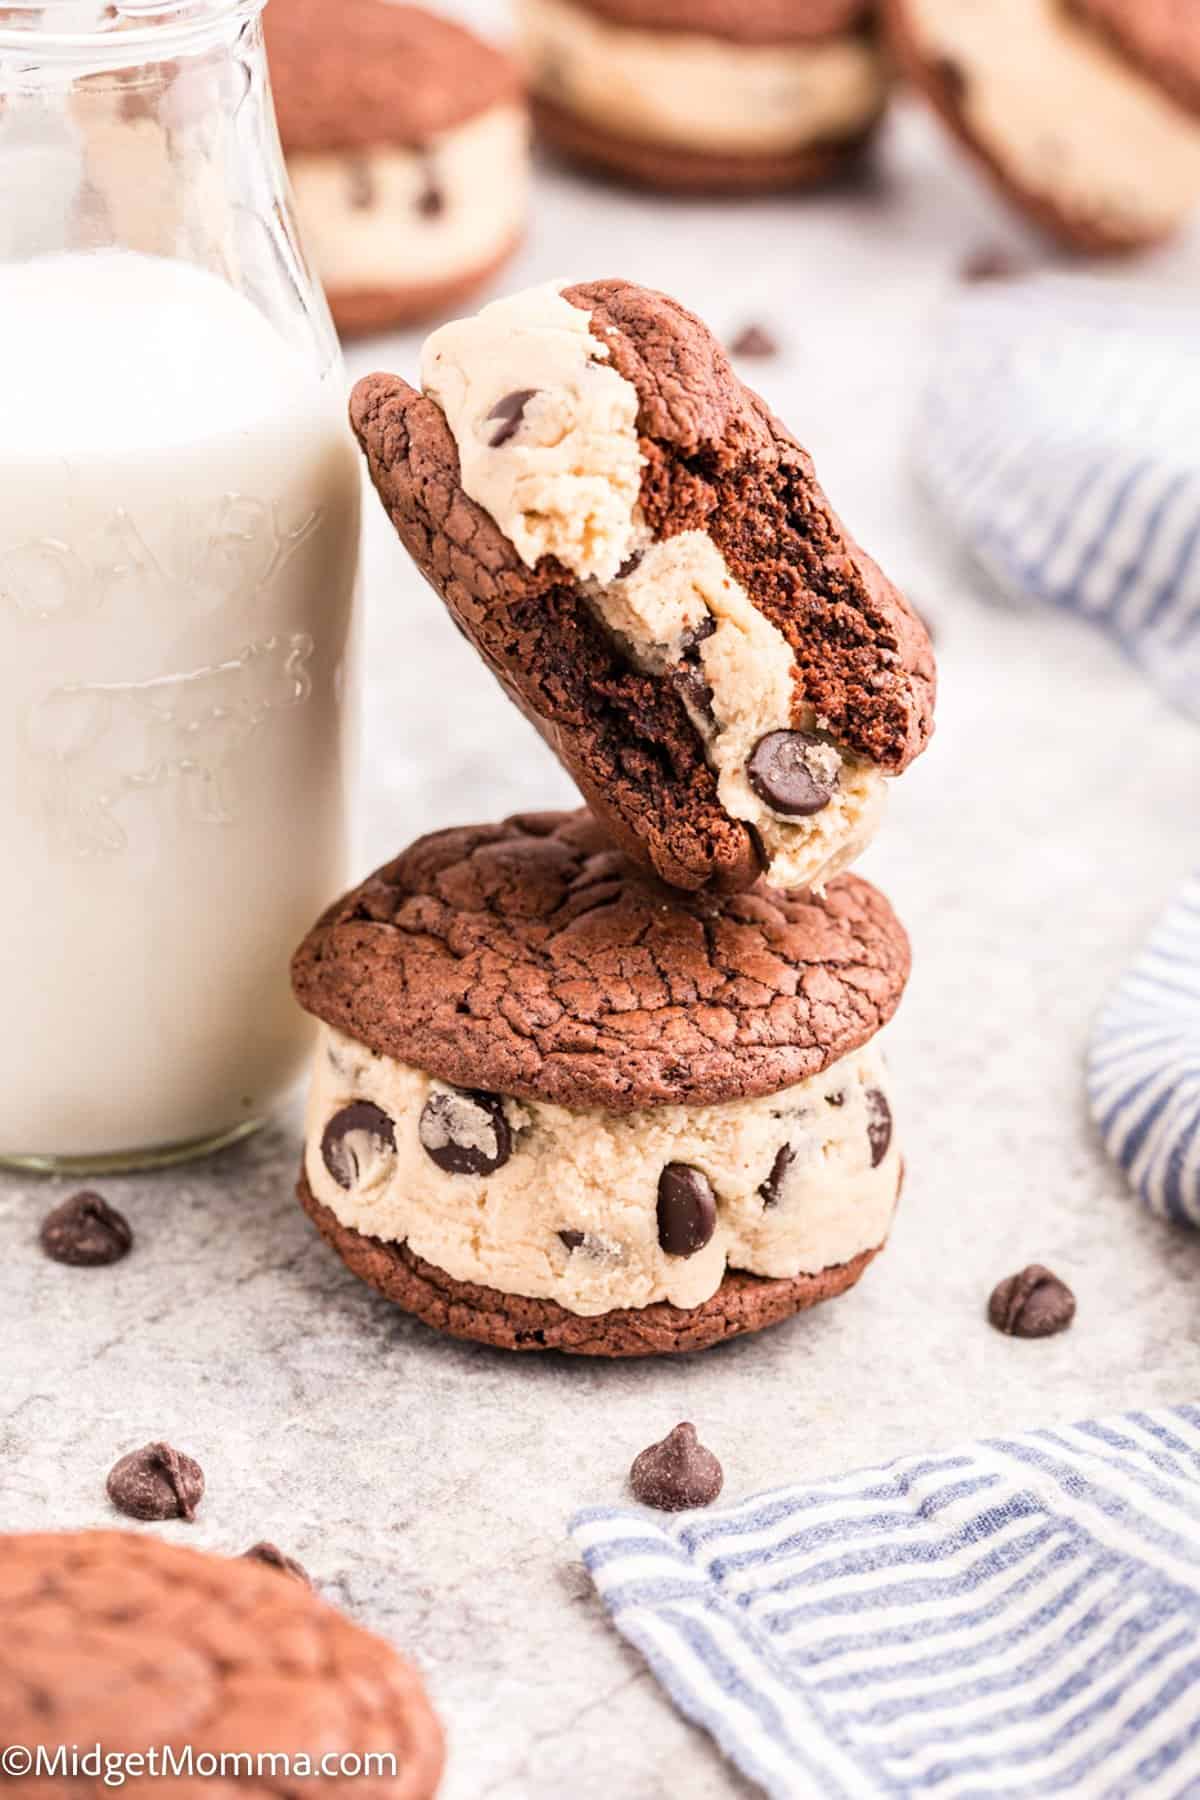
{"x":557,"y":1105}
{"x":644,"y":557}
{"x":706,"y":95}
{"x":407,"y":146}
{"x":1055,"y":102}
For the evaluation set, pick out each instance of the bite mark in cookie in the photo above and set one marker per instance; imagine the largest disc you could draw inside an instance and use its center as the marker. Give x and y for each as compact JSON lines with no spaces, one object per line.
{"x":658,"y":525}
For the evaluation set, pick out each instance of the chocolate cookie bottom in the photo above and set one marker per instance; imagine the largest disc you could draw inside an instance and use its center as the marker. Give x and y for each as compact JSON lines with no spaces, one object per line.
{"x":676,"y":170}
{"x":463,"y":1309}
{"x":357,"y":312}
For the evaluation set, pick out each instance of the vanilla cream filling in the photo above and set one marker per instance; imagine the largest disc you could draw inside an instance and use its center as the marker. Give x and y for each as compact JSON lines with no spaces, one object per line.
{"x":1061,"y":113}
{"x":392,"y":218}
{"x":701,"y":93}
{"x":548,"y":446}
{"x":594,"y":1175}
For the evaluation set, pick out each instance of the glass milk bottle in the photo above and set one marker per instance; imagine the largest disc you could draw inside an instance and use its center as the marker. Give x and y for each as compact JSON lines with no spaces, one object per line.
{"x":179,"y":519}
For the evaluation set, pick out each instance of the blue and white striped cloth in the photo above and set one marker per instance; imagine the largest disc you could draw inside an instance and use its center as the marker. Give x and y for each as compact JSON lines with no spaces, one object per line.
{"x":1144,"y":1066}
{"x":1061,"y":438}
{"x":1021,"y":1617}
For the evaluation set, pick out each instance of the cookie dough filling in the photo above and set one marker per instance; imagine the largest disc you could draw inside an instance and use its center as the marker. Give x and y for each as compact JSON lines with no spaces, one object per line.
{"x":600,"y":1210}
{"x":1062,"y":118}
{"x":699,"y":92}
{"x":548,"y":445}
{"x":388,"y":218}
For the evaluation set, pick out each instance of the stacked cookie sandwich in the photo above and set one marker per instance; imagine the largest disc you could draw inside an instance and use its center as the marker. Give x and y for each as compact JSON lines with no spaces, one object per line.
{"x":607,"y":1081}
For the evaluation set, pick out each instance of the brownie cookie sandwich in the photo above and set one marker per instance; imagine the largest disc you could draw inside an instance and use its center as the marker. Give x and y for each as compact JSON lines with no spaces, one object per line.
{"x":1060,"y":111}
{"x":643,"y":555}
{"x":138,"y":1646}
{"x":557,"y":1105}
{"x":407,"y":146}
{"x":718,"y":96}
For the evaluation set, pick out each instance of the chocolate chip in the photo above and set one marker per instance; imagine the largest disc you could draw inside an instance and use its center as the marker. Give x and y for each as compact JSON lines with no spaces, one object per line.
{"x":754,"y":340}
{"x":156,"y":1482}
{"x":509,"y":411}
{"x":362,"y":183}
{"x":344,"y":1160}
{"x":695,"y":692}
{"x":990,"y":265}
{"x":838,"y":1099}
{"x":687,"y":1210}
{"x":631,"y":562}
{"x":1033,"y":1304}
{"x":951,"y":77}
{"x":695,"y":635}
{"x":780,"y":774}
{"x":572,"y":1239}
{"x":465,"y":1131}
{"x":274,"y":1558}
{"x":879,"y":1125}
{"x":86,"y":1232}
{"x":771,"y":1190}
{"x":677,"y":1473}
{"x":431,"y":201}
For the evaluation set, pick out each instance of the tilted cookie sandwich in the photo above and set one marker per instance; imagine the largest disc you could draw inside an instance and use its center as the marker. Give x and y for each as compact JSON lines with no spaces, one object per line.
{"x":643,"y":556}
{"x":1062,"y":118}
{"x":719,"y":96}
{"x":407,"y":146}
{"x":557,"y":1105}
{"x":135,"y":1645}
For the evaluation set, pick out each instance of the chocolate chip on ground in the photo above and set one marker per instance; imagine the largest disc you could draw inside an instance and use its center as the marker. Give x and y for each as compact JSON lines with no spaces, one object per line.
{"x":274,"y":1558}
{"x":156,"y":1482}
{"x":754,"y":340}
{"x":1032,"y":1304}
{"x":687,"y":1210}
{"x":86,"y":1232}
{"x":677,"y":1473}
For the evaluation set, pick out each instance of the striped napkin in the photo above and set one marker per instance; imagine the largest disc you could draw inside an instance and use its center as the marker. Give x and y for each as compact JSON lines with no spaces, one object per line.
{"x":1020,"y":1617}
{"x":1144,"y":1066}
{"x":1061,"y":439}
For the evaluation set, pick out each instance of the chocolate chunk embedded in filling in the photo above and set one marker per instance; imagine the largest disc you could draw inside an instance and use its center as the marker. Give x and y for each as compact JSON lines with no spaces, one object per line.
{"x":465,"y":1131}
{"x":687,"y":1210}
{"x":879,"y":1125}
{"x":793,"y":772}
{"x":771,"y":1191}
{"x":355,"y":1136}
{"x":509,"y":412}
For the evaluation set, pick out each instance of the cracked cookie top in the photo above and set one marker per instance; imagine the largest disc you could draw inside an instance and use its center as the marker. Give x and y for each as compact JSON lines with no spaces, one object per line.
{"x":131,"y":1642}
{"x":532,"y":958}
{"x":362,"y":73}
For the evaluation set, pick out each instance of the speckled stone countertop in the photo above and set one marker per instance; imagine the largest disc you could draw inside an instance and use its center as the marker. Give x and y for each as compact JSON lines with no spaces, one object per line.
{"x":427,"y":1483}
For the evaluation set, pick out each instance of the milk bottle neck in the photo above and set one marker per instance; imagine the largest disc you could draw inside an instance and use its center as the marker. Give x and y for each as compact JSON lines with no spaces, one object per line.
{"x":148,"y":125}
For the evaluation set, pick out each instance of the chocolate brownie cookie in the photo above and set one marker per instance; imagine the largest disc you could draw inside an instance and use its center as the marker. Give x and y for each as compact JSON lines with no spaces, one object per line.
{"x":134,"y":1644}
{"x":643,"y":556}
{"x":407,"y":145}
{"x":1061,"y":118}
{"x":558,"y":1104}
{"x":719,"y":96}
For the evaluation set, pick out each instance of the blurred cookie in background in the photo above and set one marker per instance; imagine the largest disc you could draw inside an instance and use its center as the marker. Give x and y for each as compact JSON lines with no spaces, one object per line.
{"x":705,"y":96}
{"x":406,"y":139}
{"x":1061,"y":112}
{"x":1161,"y":36}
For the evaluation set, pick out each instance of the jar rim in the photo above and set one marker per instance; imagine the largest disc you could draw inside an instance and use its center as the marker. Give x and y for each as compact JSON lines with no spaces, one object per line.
{"x":124,"y":26}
